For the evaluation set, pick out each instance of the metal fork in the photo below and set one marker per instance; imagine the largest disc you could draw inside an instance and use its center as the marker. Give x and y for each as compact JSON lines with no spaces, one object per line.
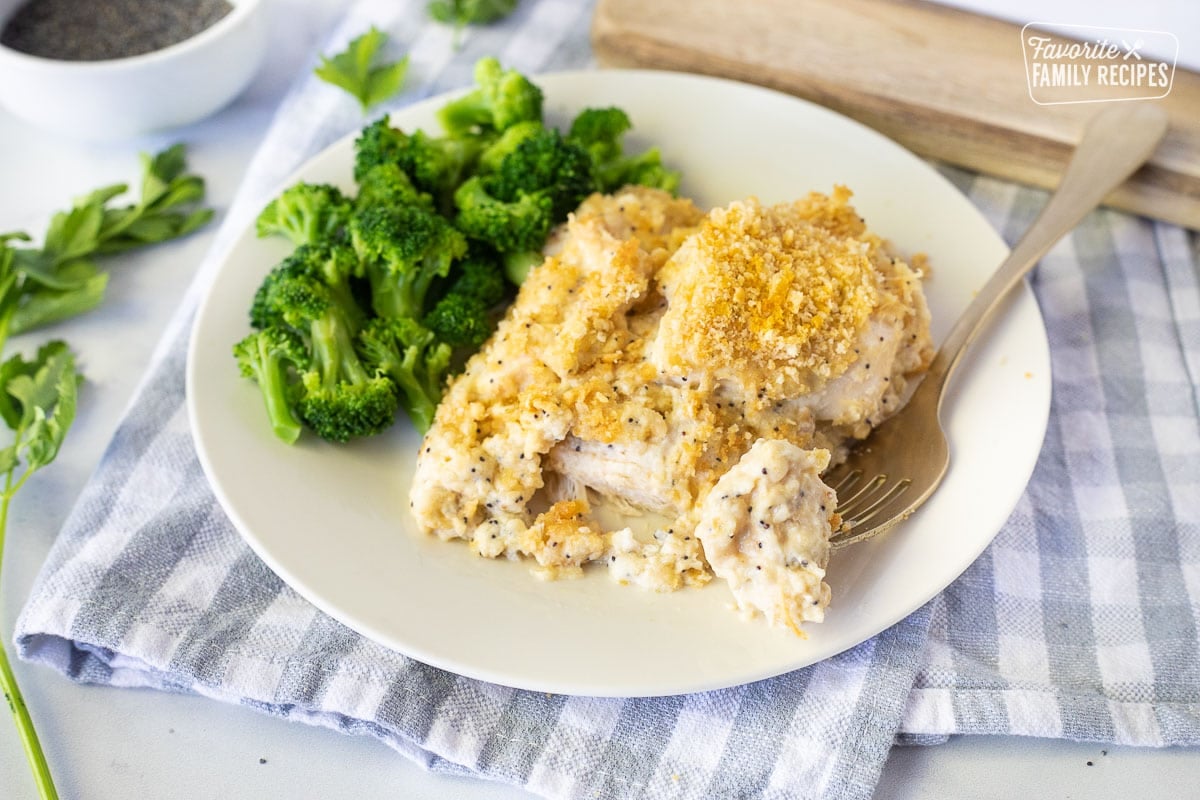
{"x":890,"y":474}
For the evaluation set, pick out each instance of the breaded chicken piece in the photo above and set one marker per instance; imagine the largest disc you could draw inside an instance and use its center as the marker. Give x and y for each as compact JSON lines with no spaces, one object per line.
{"x":765,"y":528}
{"x":642,"y":362}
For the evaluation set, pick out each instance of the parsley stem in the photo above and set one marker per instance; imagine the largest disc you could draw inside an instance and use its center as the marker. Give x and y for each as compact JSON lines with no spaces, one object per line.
{"x":8,"y":681}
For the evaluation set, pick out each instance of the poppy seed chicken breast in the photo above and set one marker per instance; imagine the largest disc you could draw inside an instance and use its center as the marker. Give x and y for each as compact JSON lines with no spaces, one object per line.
{"x":704,"y":367}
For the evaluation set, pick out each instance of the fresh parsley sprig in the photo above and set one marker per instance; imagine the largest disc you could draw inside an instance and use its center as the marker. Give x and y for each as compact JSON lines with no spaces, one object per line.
{"x":40,"y":285}
{"x":62,"y":279}
{"x":355,"y":70}
{"x":461,"y":13}
{"x":39,"y":406}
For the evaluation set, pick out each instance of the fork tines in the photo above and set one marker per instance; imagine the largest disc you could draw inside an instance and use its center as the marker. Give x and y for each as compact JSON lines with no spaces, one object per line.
{"x":859,"y":501}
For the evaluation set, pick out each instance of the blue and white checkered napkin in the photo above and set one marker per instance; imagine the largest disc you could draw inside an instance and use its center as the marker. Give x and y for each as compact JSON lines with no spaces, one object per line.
{"x":1080,"y":621}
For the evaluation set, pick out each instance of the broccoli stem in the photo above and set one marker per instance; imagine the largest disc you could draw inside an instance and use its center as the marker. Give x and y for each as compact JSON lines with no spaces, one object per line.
{"x":271,"y":376}
{"x":418,"y":399}
{"x":333,"y":351}
{"x":518,"y":265}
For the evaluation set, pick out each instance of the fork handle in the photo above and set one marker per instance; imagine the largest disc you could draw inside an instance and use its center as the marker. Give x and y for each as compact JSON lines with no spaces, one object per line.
{"x":1115,"y":143}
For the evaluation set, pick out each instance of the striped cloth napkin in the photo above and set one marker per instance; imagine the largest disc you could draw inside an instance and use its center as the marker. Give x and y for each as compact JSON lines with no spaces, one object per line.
{"x":1080,"y":621}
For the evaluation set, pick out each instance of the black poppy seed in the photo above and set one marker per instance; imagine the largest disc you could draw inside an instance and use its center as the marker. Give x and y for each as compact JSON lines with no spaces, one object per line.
{"x":66,"y":30}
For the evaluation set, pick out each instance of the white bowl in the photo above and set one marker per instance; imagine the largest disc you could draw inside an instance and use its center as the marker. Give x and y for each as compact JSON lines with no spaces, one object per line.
{"x":125,"y":97}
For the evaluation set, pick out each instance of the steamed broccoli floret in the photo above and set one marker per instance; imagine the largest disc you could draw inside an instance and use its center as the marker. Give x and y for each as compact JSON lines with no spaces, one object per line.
{"x":646,"y":169}
{"x":463,"y":316}
{"x":600,"y":131}
{"x":501,"y":99}
{"x":480,"y":275}
{"x":377,"y":143}
{"x":536,"y":185}
{"x":460,"y":320}
{"x":338,"y":398}
{"x":268,"y":357}
{"x":519,"y":223}
{"x":411,"y":356}
{"x":332,"y":264}
{"x":505,"y":143}
{"x":305,"y":213}
{"x":435,"y":165}
{"x":388,"y":185}
{"x":549,"y":165}
{"x":347,"y":409}
{"x":403,"y":250}
{"x":438,"y":164}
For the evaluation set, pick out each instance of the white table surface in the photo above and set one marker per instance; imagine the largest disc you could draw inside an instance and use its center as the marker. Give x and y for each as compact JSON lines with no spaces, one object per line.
{"x":116,"y":744}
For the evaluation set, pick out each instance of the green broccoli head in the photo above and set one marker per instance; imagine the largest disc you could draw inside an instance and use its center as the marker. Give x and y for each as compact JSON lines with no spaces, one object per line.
{"x":410,"y":355}
{"x":464,"y":316}
{"x":460,"y":320}
{"x":521,"y":223}
{"x":333,"y":265}
{"x":481,"y":275}
{"x":305,"y":213}
{"x":549,"y":165}
{"x":378,"y":143}
{"x":339,"y":398}
{"x":403,"y":250}
{"x":600,"y":132}
{"x":505,"y":143}
{"x":644,"y":169}
{"x":388,"y":185}
{"x":501,"y":98}
{"x":434,"y":165}
{"x":269,"y":357}
{"x":346,"y":410}
{"x":336,"y":396}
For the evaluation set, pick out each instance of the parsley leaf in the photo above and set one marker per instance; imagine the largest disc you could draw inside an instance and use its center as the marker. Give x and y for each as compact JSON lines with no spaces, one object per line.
{"x":460,"y":13}
{"x":37,"y":402}
{"x":59,"y":280}
{"x":353,"y":70}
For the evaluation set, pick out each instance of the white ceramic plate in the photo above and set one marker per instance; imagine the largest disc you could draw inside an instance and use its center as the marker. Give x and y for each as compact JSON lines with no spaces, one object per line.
{"x":333,"y":521}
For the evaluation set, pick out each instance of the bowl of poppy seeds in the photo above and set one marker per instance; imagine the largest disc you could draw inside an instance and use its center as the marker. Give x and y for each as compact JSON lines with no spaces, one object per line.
{"x":112,"y":69}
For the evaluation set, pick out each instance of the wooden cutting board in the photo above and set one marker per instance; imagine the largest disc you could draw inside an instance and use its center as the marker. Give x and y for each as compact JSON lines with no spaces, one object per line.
{"x":945,"y":83}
